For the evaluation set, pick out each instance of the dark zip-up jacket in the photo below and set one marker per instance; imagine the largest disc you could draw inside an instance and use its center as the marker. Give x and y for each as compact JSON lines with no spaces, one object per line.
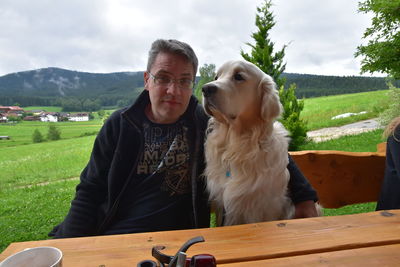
{"x":112,"y":166}
{"x":390,"y":191}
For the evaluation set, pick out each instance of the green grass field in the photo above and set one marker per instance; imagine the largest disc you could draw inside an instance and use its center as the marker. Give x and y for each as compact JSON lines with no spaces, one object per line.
{"x":318,"y":111}
{"x":45,"y":108}
{"x":37,"y":181}
{"x":351,"y":143}
{"x":43,"y":162}
{"x":21,"y":133}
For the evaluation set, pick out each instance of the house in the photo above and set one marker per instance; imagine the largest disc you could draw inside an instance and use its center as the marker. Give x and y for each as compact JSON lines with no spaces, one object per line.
{"x":63,"y":116}
{"x":36,"y":112}
{"x":79,"y":117}
{"x":13,"y":114}
{"x":49,"y":116}
{"x":12,"y":109}
{"x":3,"y":118}
{"x":31,"y":118}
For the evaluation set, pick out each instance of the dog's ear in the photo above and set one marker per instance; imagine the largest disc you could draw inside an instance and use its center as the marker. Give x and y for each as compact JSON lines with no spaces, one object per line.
{"x":271,"y":107}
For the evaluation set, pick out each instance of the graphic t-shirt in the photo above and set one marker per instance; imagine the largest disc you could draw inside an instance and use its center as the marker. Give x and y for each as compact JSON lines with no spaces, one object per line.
{"x":158,"y":198}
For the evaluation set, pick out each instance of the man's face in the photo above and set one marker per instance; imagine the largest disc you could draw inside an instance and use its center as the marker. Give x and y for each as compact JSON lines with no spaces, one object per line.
{"x":168,"y":101}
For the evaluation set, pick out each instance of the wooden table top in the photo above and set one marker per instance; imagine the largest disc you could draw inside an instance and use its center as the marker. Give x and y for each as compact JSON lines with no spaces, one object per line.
{"x":370,"y":239}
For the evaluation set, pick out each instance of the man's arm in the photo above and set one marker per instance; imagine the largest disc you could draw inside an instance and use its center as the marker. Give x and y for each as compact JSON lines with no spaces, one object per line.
{"x":301,"y":192}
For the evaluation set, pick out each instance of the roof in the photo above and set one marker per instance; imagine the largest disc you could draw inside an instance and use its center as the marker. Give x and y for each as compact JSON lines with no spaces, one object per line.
{"x":12,"y":108}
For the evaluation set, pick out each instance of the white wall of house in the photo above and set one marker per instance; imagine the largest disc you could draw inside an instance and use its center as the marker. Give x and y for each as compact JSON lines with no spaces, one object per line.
{"x":79,"y":118}
{"x":49,"y":118}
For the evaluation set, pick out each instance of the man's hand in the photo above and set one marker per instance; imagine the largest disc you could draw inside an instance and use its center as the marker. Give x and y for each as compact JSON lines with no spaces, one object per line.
{"x":305,"y":209}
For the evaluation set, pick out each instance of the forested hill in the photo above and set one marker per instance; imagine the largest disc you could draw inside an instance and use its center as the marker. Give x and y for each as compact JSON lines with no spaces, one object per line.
{"x":50,"y":86}
{"x":55,"y":86}
{"x":308,"y":85}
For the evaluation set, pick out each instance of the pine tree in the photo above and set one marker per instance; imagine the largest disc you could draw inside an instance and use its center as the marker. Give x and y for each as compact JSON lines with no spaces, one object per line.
{"x":271,"y":62}
{"x":291,"y":117}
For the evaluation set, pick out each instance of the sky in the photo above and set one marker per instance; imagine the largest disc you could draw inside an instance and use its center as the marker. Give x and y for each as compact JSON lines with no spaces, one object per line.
{"x":104,"y":36}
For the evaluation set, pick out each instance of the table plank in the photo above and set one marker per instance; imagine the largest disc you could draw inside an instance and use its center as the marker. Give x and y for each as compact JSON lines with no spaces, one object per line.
{"x":372,"y":256}
{"x":249,"y":242}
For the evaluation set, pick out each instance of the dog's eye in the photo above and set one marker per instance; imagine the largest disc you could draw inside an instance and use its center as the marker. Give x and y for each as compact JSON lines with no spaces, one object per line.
{"x":238,"y":77}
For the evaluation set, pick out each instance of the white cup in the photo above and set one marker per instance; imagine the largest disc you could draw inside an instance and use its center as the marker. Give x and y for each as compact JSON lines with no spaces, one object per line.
{"x":35,"y":257}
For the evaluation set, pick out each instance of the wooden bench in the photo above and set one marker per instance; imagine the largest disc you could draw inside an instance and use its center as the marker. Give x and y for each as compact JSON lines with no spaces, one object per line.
{"x":343,"y":178}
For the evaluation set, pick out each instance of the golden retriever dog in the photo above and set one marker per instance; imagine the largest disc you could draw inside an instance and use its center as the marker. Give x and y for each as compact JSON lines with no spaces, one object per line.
{"x":246,"y":150}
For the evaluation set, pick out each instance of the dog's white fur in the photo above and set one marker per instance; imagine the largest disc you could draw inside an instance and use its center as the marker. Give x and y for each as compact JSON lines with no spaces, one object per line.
{"x":246,"y":150}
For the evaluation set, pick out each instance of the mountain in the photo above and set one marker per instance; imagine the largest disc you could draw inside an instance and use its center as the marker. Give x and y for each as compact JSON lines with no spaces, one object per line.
{"x":55,"y":82}
{"x":308,"y":85}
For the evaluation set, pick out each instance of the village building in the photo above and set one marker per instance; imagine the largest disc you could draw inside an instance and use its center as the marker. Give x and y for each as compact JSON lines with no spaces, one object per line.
{"x":11,"y":109}
{"x":49,"y":117}
{"x":79,"y":117}
{"x":32,"y":118}
{"x":36,"y":112}
{"x":3,"y":117}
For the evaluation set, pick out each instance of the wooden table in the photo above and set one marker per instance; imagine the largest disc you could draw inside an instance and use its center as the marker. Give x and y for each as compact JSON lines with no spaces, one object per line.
{"x":368,"y":239}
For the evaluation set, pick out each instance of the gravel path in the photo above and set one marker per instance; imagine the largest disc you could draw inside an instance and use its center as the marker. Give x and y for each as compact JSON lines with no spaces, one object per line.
{"x":349,"y":129}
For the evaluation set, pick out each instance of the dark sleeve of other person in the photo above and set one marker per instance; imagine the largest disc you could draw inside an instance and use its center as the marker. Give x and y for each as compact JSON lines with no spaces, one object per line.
{"x":299,"y":188}
{"x":390,"y":191}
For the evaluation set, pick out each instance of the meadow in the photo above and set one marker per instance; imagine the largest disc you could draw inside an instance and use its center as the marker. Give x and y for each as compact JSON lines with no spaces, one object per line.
{"x":37,"y":180}
{"x":318,"y":111}
{"x":21,"y":133}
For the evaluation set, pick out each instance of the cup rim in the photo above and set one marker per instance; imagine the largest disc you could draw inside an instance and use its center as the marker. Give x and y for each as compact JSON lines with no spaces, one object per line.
{"x":59,"y":258}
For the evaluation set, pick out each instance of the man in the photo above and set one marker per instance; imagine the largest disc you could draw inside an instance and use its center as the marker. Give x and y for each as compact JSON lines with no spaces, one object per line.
{"x":144,"y":172}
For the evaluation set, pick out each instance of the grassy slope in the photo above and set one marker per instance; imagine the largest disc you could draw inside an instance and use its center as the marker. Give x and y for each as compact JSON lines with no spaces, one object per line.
{"x":43,"y":162}
{"x":319,"y":111}
{"x":28,"y":209}
{"x":21,"y":133}
{"x":45,"y":108}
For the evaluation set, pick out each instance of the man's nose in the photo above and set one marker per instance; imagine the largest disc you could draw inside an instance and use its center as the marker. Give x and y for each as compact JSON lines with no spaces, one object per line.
{"x":173,"y":88}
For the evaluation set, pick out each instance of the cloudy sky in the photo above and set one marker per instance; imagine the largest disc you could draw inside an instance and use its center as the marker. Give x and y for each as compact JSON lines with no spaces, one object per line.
{"x":115,"y":35}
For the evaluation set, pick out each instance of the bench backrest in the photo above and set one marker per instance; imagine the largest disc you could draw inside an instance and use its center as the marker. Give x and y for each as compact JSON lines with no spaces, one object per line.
{"x":343,"y":178}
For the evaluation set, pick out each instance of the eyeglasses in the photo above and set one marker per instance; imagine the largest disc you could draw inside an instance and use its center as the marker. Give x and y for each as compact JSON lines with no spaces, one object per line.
{"x":164,"y":80}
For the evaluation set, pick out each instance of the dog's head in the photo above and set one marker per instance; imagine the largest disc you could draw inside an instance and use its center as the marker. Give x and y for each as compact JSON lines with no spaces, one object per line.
{"x":241,"y":92}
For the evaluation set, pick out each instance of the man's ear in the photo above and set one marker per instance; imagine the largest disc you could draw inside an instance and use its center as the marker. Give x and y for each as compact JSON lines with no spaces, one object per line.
{"x":146,"y":77}
{"x":271,"y":107}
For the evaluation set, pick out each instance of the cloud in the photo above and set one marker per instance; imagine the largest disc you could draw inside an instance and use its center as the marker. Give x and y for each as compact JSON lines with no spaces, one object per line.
{"x":115,"y":35}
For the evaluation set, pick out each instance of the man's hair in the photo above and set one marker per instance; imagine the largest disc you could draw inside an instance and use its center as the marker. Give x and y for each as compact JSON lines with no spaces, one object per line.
{"x":174,"y":47}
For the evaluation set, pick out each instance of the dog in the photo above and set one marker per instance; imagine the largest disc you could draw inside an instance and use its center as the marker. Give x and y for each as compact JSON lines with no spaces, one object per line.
{"x":246,"y":149}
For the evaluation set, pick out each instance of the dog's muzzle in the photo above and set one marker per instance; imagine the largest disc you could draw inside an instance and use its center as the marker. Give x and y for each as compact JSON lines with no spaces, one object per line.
{"x":209,"y":90}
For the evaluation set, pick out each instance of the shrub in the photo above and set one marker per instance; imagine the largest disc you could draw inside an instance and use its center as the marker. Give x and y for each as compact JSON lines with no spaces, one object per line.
{"x":37,"y":136}
{"x":54,"y":133}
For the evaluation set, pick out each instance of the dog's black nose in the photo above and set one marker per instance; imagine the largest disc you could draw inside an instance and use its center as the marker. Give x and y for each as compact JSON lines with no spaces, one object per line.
{"x":209,"y":89}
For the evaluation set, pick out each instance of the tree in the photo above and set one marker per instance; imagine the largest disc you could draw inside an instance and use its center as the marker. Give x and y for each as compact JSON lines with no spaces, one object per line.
{"x":382,"y":52}
{"x":101,"y":113}
{"x":53,"y":133}
{"x":262,"y":52}
{"x":207,"y":74}
{"x":271,"y":62}
{"x":37,"y":136}
{"x":90,"y":105}
{"x":393,"y":109}
{"x":291,"y":116}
